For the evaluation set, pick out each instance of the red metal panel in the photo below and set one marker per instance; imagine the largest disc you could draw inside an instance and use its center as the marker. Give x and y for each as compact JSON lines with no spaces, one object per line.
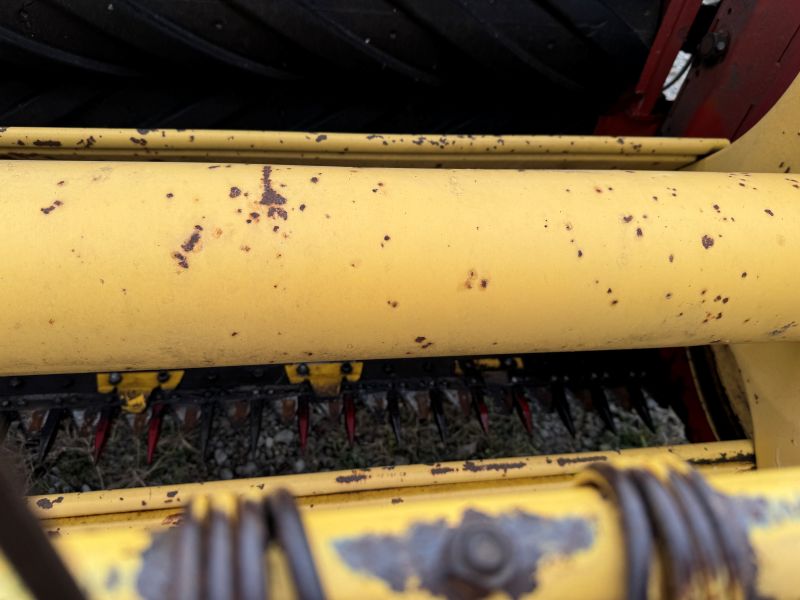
{"x":635,"y":114}
{"x":763,"y":58}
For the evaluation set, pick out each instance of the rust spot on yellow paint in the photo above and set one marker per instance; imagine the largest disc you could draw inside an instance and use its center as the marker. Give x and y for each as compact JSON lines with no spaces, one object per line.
{"x":707,"y":241}
{"x":355,"y":477}
{"x":48,"y":209}
{"x":503,"y":466}
{"x":442,"y":470}
{"x":172,"y":520}
{"x":47,"y":504}
{"x":272,"y":198}
{"x":182,"y":262}
{"x":191,"y":243}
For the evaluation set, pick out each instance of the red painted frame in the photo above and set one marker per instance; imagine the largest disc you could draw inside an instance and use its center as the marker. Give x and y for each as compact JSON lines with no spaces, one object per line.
{"x":728,"y":97}
{"x":635,"y":116}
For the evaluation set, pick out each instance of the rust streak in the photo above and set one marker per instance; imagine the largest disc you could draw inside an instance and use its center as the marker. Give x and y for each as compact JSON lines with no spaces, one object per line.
{"x":563,"y":461}
{"x":194,"y":238}
{"x":351,"y":478}
{"x":506,"y":466}
{"x":48,"y":209}
{"x":442,"y":470}
{"x":47,"y":504}
{"x":269,"y":196}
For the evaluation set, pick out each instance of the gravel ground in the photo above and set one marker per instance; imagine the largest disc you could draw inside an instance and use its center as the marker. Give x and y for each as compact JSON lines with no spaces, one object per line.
{"x":69,"y":466}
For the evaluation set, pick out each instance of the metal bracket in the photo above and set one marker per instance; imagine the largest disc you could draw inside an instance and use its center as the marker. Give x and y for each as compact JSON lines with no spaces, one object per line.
{"x":325,"y":378}
{"x":135,"y":388}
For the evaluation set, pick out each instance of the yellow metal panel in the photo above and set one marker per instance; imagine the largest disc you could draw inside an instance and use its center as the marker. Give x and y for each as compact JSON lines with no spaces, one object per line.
{"x":250,"y":264}
{"x":712,"y":456}
{"x":325,"y":378}
{"x":134,"y":388}
{"x":771,"y":146}
{"x":410,"y":150}
{"x":768,"y":499}
{"x":769,"y":373}
{"x":138,"y":381}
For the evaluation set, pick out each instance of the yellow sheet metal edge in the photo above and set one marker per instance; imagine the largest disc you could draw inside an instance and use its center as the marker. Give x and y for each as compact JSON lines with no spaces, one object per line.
{"x":166,"y":518}
{"x":254,"y":264}
{"x":464,"y":151}
{"x":770,"y":375}
{"x":586,"y":543}
{"x":311,"y":485}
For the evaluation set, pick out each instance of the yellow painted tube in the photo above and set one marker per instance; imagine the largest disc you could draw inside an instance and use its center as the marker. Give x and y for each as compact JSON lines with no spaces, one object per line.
{"x":580,"y":530}
{"x":141,"y":266}
{"x":589,"y":570}
{"x":391,"y":480}
{"x":397,"y":150}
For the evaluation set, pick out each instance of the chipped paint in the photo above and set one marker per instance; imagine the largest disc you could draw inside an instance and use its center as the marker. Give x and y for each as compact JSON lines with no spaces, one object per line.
{"x":576,"y":460}
{"x":417,"y":560}
{"x":271,"y":197}
{"x":47,"y":504}
{"x":474,"y":467}
{"x":354,"y":478}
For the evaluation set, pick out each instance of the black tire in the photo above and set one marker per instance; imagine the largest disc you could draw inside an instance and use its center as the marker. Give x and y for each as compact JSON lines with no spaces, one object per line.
{"x":146,"y":62}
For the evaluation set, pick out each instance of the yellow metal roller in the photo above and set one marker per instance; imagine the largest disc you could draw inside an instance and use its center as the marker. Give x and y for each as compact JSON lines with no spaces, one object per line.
{"x":138,"y":266}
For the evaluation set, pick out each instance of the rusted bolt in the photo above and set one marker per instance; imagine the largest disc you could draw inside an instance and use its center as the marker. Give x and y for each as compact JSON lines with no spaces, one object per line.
{"x":302,"y":369}
{"x":163,"y":376}
{"x":479,"y":558}
{"x":347,"y":368}
{"x":114,"y":378}
{"x":713,"y":46}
